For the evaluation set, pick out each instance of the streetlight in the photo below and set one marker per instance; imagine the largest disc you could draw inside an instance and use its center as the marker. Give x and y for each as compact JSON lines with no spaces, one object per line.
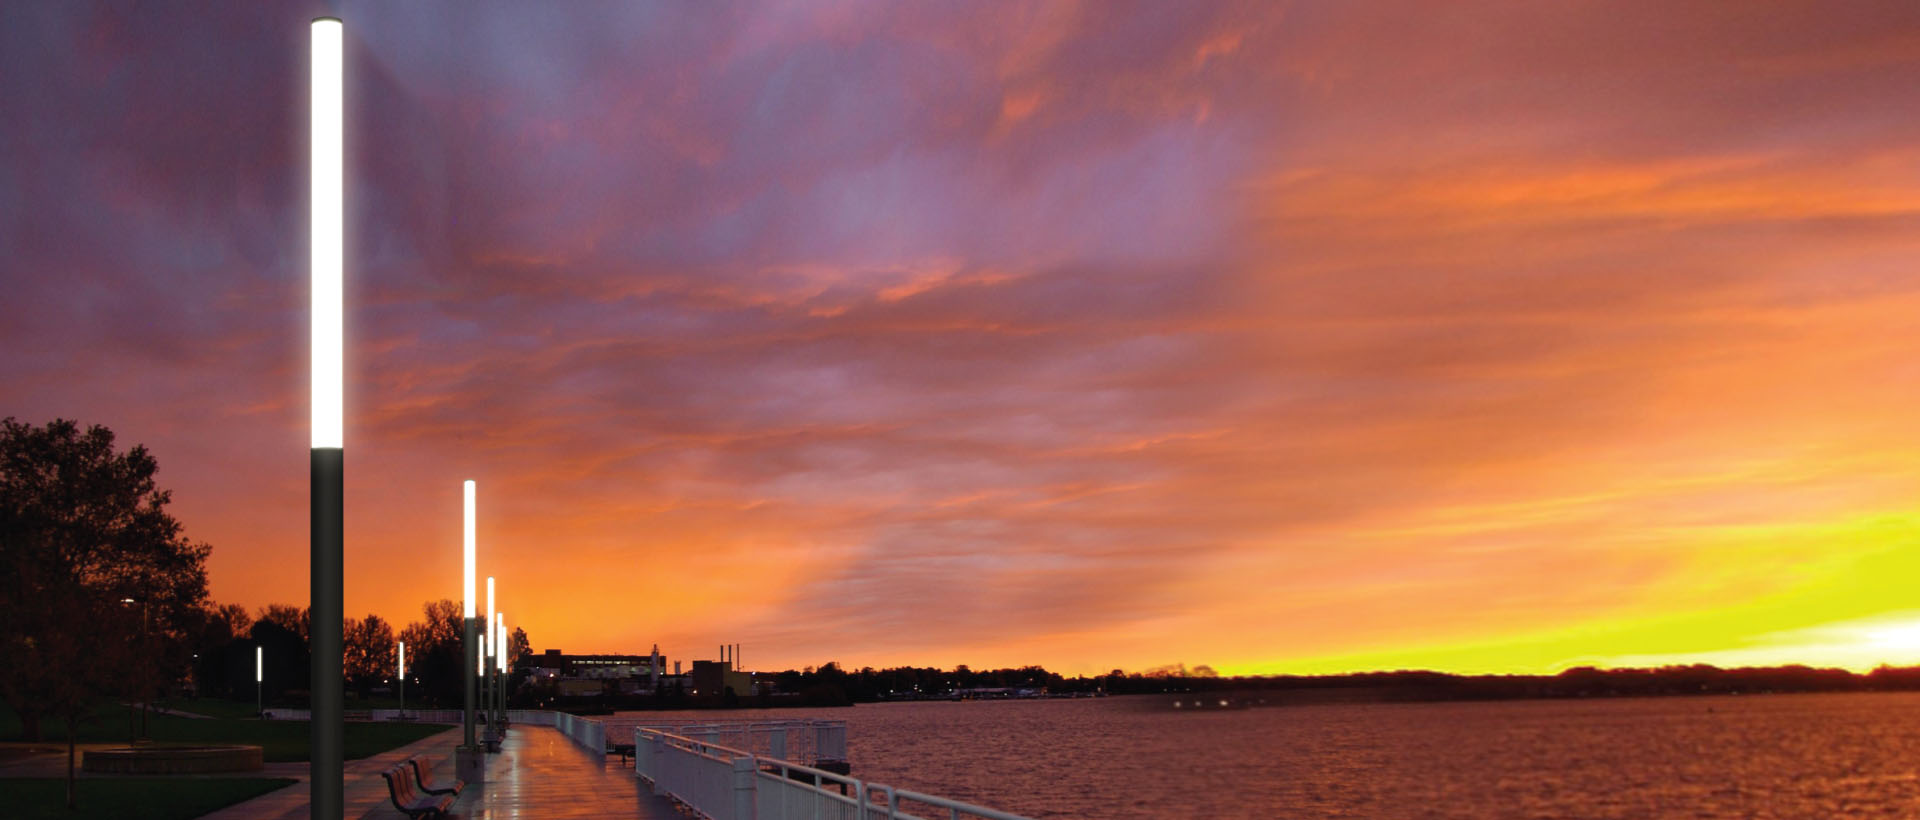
{"x":403,"y":679}
{"x":328,"y":263}
{"x":500,"y":672}
{"x":469,"y":760}
{"x":486,"y":676}
{"x":259,"y":680}
{"x":143,"y":682}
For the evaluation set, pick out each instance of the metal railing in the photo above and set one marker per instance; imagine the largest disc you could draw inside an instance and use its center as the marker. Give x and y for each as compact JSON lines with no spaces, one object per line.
{"x":724,"y":783}
{"x":417,"y":715}
{"x":532,"y":717}
{"x":806,"y":740}
{"x":816,"y":742}
{"x":586,"y":733}
{"x":955,"y":810}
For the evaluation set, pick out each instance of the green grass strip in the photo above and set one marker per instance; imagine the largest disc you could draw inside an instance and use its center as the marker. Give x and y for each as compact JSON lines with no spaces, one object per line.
{"x":130,"y":798}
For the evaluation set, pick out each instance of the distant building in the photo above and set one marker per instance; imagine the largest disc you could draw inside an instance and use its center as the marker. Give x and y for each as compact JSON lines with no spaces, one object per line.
{"x":998,"y":692}
{"x":716,"y":677}
{"x":594,"y":675}
{"x":579,"y":675}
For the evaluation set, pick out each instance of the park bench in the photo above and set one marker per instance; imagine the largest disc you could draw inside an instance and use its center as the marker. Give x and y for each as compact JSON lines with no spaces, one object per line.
{"x":420,"y":780}
{"x":410,"y":802}
{"x":495,"y":734}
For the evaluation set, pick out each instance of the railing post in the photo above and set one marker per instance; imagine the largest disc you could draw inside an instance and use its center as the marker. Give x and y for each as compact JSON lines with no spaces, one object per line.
{"x":659,"y":742}
{"x":743,"y":777}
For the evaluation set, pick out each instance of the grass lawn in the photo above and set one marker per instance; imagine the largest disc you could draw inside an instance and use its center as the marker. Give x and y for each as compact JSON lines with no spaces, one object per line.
{"x":279,"y":740}
{"x":130,"y":798}
{"x":212,"y":707}
{"x":215,"y":707}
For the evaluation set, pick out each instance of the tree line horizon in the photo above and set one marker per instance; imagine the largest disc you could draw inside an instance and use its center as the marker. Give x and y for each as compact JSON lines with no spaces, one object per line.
{"x":104,"y":597}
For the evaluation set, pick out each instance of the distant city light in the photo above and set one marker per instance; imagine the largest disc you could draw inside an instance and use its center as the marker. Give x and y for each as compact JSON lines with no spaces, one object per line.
{"x":328,"y":231}
{"x":467,"y":544}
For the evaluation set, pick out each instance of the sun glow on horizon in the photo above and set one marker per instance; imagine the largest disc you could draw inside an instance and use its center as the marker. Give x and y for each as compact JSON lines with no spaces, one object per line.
{"x":1216,"y":340}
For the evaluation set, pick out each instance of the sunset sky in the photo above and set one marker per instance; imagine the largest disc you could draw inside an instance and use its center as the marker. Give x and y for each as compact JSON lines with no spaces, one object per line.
{"x":1280,"y":337}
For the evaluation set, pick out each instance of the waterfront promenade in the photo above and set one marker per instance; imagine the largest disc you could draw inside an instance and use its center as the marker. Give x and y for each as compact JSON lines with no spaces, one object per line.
{"x":537,"y":773}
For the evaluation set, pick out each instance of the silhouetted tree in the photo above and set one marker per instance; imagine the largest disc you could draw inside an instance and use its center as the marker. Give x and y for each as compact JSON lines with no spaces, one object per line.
{"x":219,"y":632}
{"x":294,"y":619}
{"x":369,"y":653}
{"x":285,"y":660}
{"x":83,"y":529}
{"x":434,"y":653}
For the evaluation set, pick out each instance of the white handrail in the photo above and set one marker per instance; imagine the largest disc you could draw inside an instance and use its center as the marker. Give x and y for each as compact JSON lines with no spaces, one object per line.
{"x":955,"y":809}
{"x":808,"y":740}
{"x":725,"y":783}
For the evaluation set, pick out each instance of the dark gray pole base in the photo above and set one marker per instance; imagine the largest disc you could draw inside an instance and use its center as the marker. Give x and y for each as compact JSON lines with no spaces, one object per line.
{"x":470,"y":761}
{"x":467,"y":672}
{"x":328,"y":573}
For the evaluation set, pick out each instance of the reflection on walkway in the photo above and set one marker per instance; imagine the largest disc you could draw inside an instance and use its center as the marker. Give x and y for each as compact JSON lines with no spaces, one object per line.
{"x":540,"y":774}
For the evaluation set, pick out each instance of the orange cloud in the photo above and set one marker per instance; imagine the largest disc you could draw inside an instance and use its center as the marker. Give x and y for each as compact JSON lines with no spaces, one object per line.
{"x":1498,"y":336}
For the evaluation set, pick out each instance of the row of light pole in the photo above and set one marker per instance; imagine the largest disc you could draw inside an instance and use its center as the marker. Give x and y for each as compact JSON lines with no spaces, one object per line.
{"x":491,"y":669}
{"x":327,"y":262}
{"x":487,"y":653}
{"x":260,"y":679}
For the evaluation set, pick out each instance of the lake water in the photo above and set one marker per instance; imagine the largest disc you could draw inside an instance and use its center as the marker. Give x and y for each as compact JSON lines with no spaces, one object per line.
{"x":1779,"y":756}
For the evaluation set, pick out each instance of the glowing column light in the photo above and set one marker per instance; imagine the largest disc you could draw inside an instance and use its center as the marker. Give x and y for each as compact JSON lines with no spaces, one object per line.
{"x":500,"y":671}
{"x":503,"y":654}
{"x":467,"y":544}
{"x":485,"y":669}
{"x":259,"y":679}
{"x":327,"y":235}
{"x":328,"y":229}
{"x":472,"y":629}
{"x":402,"y":652}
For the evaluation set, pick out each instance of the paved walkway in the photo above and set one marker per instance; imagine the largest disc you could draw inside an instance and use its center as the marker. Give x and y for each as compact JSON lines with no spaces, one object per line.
{"x":537,"y":773}
{"x":540,"y":773}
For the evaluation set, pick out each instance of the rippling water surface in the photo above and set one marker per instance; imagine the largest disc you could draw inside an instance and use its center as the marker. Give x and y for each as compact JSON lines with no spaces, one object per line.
{"x":1777,"y":756}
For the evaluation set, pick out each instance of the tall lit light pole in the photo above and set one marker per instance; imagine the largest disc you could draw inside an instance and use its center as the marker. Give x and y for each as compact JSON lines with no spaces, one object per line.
{"x":328,"y":261}
{"x":500,"y":672}
{"x":472,"y":630}
{"x":486,"y":663}
{"x":259,"y":680}
{"x":403,"y":679}
{"x":144,"y":691}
